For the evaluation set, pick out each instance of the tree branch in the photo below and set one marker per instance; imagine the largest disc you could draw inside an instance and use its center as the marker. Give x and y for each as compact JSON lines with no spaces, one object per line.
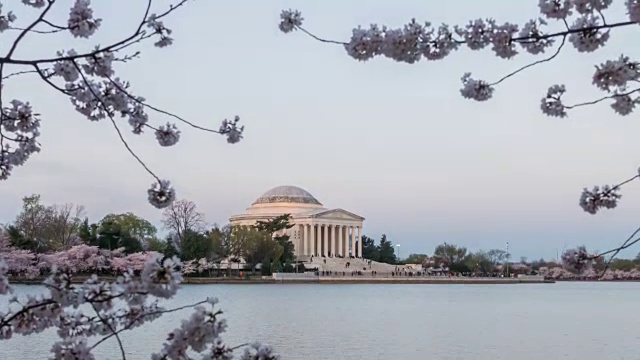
{"x":106,"y":110}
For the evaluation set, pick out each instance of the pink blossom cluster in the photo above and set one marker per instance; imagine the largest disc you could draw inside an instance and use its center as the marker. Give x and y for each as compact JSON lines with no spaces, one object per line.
{"x":104,"y":309}
{"x":77,"y":259}
{"x":559,"y":273}
{"x":88,"y":79}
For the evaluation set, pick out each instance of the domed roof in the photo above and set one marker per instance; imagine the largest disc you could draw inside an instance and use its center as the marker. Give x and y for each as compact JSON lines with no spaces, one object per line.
{"x":287,"y":194}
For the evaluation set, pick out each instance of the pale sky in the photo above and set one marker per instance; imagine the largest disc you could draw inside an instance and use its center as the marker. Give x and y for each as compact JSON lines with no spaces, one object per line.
{"x":395,"y":143}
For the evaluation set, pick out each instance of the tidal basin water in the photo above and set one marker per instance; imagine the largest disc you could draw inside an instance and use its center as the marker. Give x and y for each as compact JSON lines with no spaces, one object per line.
{"x":404,"y":322}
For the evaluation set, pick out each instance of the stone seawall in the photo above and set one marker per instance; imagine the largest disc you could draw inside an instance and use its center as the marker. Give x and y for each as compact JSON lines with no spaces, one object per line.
{"x":327,"y":280}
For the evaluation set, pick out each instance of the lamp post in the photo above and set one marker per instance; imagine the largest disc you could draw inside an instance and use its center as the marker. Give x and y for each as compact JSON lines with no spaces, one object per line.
{"x":398,"y":246}
{"x":507,"y":259}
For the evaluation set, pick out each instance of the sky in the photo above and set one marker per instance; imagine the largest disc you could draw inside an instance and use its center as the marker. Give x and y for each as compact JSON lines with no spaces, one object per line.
{"x":393,"y":142}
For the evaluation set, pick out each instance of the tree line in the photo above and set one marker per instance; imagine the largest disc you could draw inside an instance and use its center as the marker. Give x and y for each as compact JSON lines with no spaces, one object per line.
{"x":42,"y":229}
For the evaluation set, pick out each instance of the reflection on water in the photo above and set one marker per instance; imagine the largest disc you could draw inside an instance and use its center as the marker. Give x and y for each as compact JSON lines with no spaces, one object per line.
{"x":317,"y":321}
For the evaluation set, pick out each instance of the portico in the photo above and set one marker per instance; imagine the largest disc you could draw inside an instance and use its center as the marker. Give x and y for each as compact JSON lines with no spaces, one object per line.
{"x":317,"y":231}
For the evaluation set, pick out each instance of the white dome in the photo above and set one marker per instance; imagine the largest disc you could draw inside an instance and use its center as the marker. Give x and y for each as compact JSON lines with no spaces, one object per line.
{"x":287,"y":194}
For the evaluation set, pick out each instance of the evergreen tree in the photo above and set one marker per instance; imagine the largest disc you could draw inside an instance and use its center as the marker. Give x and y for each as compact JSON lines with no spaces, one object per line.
{"x":88,"y":233}
{"x":386,"y":251}
{"x":275,"y":225}
{"x":369,"y":249}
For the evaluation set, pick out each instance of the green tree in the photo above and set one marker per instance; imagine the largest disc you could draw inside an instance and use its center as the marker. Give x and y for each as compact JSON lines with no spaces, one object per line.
{"x":221,"y":241}
{"x":158,"y":245}
{"x":275,"y":228}
{"x":261,"y":247}
{"x":16,"y":239}
{"x":88,"y":233}
{"x":369,"y":249}
{"x":111,"y":236}
{"x":136,"y":226}
{"x":497,"y":256}
{"x":386,"y":251}
{"x":265,"y":268}
{"x":452,"y":255}
{"x":479,"y":262}
{"x":417,"y":259}
{"x":196,"y":245}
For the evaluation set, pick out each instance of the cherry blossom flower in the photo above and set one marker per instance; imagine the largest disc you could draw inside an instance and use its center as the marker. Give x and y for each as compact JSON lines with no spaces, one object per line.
{"x":576,"y":260}
{"x":476,"y":89}
{"x":551,"y":104}
{"x":633,"y":10}
{"x":290,"y":20}
{"x":593,"y":200}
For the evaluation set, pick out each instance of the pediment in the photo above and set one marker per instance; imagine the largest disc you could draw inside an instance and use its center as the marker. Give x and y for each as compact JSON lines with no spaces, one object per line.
{"x":338,"y":214}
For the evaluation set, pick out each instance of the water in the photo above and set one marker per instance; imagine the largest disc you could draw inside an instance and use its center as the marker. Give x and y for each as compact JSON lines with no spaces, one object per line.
{"x":404,"y":322}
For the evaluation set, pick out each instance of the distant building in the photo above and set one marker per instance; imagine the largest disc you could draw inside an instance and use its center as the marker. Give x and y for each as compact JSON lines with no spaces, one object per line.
{"x":317,"y":230}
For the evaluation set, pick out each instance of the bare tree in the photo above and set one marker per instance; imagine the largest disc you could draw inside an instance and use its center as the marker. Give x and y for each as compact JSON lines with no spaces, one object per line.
{"x":180,"y":217}
{"x":32,"y":221}
{"x":63,"y":224}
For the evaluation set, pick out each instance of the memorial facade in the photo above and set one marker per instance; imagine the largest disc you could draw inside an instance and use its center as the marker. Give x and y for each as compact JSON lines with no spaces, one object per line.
{"x":316,"y":231}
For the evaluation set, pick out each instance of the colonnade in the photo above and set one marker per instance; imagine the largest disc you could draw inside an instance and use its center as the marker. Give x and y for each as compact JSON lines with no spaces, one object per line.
{"x":329,"y":239}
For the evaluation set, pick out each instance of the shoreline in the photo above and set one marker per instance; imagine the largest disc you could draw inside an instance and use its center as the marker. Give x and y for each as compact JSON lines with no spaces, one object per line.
{"x":325,"y":280}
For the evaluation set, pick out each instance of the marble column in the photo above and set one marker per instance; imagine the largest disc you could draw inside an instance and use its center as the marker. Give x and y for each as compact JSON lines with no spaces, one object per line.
{"x":305,"y":238}
{"x":340,"y":243}
{"x":353,"y":241}
{"x":359,"y":241}
{"x":324,"y":239}
{"x":312,"y":228}
{"x":332,"y":240}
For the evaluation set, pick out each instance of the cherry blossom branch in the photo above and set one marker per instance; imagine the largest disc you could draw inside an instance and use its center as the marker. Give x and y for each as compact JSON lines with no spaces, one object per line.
{"x":113,"y":331}
{"x":84,"y":78}
{"x":413,"y":42}
{"x":532,"y":64}
{"x":145,"y":104}
{"x":108,"y":113}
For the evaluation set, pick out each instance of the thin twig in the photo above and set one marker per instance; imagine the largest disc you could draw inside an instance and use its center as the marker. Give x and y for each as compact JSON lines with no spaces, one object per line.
{"x":127,"y":94}
{"x":319,"y":38}
{"x":19,"y":73}
{"x":564,"y":38}
{"x":106,"y":110}
{"x":113,"y":331}
{"x":593,"y":102}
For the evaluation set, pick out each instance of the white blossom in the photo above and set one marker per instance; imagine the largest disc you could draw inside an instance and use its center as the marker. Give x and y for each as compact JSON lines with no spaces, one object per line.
{"x":633,"y":10}
{"x":555,"y":9}
{"x":6,"y":20}
{"x":4,"y":282}
{"x":159,"y":29}
{"x":552,"y":104}
{"x":290,"y":20}
{"x":34,"y":3}
{"x":478,"y":90}
{"x":616,"y":73}
{"x":137,"y":116}
{"x":66,"y":68}
{"x":81,"y":22}
{"x":599,"y":198}
{"x":624,"y":104}
{"x":365,"y":43}
{"x":257,"y":351}
{"x":577,"y":260}
{"x":501,"y":37}
{"x":168,"y":135}
{"x":532,"y":30}
{"x":590,"y":6}
{"x":438,"y":44}
{"x":589,"y":39}
{"x":99,"y":64}
{"x":231,"y":129}
{"x":161,"y":194}
{"x":477,"y":33}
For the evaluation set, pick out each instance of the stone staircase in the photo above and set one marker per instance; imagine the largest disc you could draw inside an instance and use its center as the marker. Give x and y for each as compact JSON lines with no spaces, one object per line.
{"x":339,"y":265}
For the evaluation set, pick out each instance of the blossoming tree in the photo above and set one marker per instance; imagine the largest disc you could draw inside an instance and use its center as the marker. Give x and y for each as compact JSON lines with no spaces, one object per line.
{"x":582,"y":23}
{"x":97,"y":309}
